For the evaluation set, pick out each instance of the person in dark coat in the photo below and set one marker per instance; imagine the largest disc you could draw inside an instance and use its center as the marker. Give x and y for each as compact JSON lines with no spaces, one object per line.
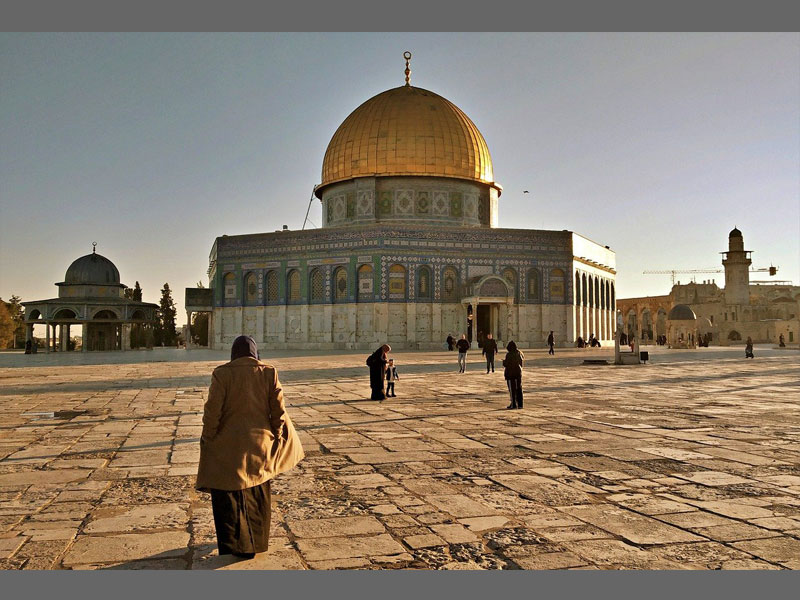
{"x":247,"y":440}
{"x":551,"y":343}
{"x":377,"y":371}
{"x":513,"y":374}
{"x":748,"y":348}
{"x":463,"y":346}
{"x":489,"y":350}
{"x":450,"y":342}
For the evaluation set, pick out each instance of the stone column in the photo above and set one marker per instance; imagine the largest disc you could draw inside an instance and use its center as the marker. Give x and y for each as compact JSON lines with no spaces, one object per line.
{"x":188,"y":345}
{"x":126,"y":336}
{"x":29,"y":333}
{"x":47,"y":338}
{"x":210,"y":329}
{"x":84,"y":337}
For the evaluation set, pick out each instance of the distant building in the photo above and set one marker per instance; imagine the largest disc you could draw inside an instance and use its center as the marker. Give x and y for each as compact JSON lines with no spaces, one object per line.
{"x":741,"y":309}
{"x":409,"y":250}
{"x":91,"y":297}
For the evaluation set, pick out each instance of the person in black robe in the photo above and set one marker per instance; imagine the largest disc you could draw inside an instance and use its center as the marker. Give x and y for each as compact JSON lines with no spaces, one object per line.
{"x":377,"y":371}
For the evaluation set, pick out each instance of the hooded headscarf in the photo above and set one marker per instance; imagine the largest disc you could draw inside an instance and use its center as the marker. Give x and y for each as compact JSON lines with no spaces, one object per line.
{"x":244,"y":345}
{"x":511,"y":346}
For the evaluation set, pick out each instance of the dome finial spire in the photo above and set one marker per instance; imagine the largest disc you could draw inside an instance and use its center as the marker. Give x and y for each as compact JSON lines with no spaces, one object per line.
{"x":407,"y":56}
{"x":94,"y":247}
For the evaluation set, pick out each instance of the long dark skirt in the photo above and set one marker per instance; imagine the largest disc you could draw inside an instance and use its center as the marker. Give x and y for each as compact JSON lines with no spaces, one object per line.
{"x":242,"y":519}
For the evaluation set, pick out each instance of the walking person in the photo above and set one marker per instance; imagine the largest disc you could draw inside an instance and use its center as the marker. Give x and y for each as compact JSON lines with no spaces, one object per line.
{"x":781,"y":342}
{"x":377,"y":371}
{"x":391,"y":377}
{"x":247,"y":440}
{"x":450,"y":342}
{"x":463,"y":346}
{"x":748,"y":348}
{"x":513,"y":374}
{"x":551,"y":343}
{"x":489,"y":350}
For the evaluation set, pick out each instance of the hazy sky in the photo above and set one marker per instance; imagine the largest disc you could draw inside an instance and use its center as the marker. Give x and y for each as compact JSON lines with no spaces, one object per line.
{"x":155,"y":144}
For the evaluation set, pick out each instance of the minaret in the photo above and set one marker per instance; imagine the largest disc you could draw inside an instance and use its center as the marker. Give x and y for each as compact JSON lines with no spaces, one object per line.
{"x":737,"y":270}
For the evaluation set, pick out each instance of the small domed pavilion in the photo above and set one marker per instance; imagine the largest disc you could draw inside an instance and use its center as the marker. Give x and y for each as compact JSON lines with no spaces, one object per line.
{"x":91,"y":296}
{"x":681,"y":327}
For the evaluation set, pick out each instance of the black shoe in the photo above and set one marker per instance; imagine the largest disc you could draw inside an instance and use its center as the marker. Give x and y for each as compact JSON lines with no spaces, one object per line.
{"x":510,"y":406}
{"x":520,"y":406}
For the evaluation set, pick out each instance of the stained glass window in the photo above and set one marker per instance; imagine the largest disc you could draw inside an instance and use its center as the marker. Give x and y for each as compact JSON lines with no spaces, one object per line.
{"x":272,"y":286}
{"x":293,"y":286}
{"x":340,"y":283}
{"x":317,"y":286}
{"x":533,"y":284}
{"x":424,"y":283}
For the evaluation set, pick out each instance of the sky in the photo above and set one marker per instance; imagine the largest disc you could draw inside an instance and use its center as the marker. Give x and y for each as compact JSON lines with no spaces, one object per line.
{"x":153,"y":145}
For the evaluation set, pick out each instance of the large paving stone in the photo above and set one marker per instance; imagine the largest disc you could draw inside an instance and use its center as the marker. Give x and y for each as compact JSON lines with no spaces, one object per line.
{"x":151,"y":516}
{"x":43,"y":477}
{"x":347,"y":547}
{"x":460,"y":506}
{"x":319,"y":528}
{"x":128,"y":546}
{"x":543,"y":490}
{"x":630,"y":526}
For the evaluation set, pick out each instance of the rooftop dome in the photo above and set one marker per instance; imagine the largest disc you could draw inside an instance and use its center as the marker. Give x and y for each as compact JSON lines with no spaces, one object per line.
{"x":407,"y":131}
{"x":92,"y":269}
{"x":735,"y":233}
{"x":681,"y":312}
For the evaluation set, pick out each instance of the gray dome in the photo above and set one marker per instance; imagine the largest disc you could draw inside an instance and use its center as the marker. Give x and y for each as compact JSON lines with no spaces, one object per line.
{"x":681,"y":312}
{"x":92,"y":269}
{"x":735,"y":233}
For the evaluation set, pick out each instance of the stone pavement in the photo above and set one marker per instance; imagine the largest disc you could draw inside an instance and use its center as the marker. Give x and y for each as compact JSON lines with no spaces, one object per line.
{"x":691,"y":462}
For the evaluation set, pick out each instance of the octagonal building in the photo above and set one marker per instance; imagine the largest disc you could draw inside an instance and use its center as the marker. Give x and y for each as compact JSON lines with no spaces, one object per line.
{"x":409,"y":250}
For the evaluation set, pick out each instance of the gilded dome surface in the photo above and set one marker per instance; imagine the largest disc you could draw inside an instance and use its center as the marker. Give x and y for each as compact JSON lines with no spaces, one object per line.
{"x":92,"y":269}
{"x":407,"y":131}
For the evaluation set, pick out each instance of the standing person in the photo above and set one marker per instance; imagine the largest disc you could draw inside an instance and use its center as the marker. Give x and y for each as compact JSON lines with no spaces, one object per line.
{"x":551,"y":342}
{"x":489,"y":350}
{"x":450,"y":342}
{"x":391,"y":377}
{"x":513,"y":374}
{"x":748,"y":348}
{"x":247,"y":440}
{"x":377,"y":371}
{"x":463,"y":346}
{"x":781,"y":342}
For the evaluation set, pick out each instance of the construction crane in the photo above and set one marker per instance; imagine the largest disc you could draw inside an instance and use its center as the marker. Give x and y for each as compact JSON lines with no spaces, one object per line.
{"x":771,"y":270}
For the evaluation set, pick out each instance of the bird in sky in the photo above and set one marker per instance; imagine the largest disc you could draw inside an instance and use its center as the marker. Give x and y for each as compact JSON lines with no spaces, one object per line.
{"x":524,"y":191}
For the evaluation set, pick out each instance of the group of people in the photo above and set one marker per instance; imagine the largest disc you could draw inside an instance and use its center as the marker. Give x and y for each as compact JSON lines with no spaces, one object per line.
{"x":591,"y":342}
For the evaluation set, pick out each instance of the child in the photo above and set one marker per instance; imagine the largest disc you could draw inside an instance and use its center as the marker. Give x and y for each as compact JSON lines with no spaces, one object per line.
{"x":391,"y":377}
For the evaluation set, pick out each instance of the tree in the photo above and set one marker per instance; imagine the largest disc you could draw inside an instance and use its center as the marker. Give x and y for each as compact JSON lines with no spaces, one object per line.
{"x":6,"y":326}
{"x":165,"y":332}
{"x":138,"y":337}
{"x":134,"y":293}
{"x":17,"y":314}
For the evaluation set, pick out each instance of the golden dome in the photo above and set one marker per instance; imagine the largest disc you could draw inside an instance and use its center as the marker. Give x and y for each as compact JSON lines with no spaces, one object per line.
{"x":407,"y":131}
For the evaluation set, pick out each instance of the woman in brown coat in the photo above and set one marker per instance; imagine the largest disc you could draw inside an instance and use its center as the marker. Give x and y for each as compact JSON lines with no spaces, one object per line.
{"x":247,"y":440}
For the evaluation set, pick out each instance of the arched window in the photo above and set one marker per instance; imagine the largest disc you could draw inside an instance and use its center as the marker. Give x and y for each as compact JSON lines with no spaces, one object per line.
{"x":293,"y":286}
{"x":583,"y":290}
{"x":591,"y":291}
{"x":534,"y":284}
{"x":613,"y":299}
{"x":577,"y":288}
{"x":510,"y":275}
{"x":397,"y":282}
{"x":450,"y":285}
{"x":424,"y":288}
{"x":608,"y":296}
{"x":557,"y":285}
{"x":229,"y":285}
{"x":317,"y":286}
{"x":365,"y":283}
{"x":340,"y":285}
{"x":250,"y":289}
{"x":272,"y":287}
